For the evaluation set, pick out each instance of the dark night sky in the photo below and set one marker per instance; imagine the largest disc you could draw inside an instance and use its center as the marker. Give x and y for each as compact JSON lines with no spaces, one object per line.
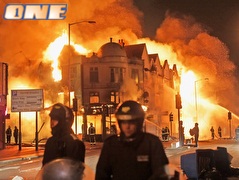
{"x":221,"y":17}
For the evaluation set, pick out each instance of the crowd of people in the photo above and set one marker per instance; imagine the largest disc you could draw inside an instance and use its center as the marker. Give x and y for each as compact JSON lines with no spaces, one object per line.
{"x":133,"y":154}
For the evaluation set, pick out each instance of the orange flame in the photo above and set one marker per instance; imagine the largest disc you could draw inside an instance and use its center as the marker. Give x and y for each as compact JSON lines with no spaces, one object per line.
{"x":209,"y":113}
{"x":53,"y":51}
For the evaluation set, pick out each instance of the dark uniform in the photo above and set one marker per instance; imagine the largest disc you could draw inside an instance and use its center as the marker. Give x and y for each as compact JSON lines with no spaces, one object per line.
{"x":196,"y":133}
{"x":9,"y":134}
{"x":140,"y":156}
{"x":66,"y":146}
{"x":212,"y":132}
{"x":139,"y":159}
{"x":91,"y":132}
{"x":63,"y":143}
{"x":15,"y":134}
{"x":220,"y":131}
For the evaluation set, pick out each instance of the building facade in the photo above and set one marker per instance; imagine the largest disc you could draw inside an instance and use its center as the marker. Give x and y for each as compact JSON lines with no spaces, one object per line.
{"x":117,"y":73}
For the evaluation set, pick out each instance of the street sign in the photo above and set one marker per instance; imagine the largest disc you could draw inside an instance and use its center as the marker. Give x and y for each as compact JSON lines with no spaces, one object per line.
{"x":27,"y":100}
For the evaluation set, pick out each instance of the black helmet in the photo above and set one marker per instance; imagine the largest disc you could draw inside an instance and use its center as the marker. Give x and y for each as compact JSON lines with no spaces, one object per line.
{"x":67,"y":169}
{"x":62,"y":113}
{"x":130,"y":111}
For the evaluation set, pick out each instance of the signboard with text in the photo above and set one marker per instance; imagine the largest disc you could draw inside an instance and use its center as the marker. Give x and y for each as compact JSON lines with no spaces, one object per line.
{"x":27,"y":100}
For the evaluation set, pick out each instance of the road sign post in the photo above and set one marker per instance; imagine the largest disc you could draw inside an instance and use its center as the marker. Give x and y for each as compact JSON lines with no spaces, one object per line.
{"x":27,"y":100}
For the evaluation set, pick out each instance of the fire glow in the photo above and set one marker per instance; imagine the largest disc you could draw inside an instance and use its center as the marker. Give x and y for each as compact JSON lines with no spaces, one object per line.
{"x":206,"y":108}
{"x":179,"y":39}
{"x":54,"y":50}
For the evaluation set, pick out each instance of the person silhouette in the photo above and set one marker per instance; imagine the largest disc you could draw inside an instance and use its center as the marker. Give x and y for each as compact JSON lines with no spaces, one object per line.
{"x":63,"y":143}
{"x":133,"y":154}
{"x":220,"y":132}
{"x":91,"y":131}
{"x":212,"y":132}
{"x":9,"y":134}
{"x":195,"y":132}
{"x":15,"y":134}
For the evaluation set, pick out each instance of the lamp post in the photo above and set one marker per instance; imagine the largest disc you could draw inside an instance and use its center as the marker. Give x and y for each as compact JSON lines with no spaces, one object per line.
{"x":69,"y":44}
{"x":195,"y":86}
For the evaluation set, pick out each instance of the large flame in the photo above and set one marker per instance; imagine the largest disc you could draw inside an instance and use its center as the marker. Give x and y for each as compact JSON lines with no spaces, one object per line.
{"x":180,"y":40}
{"x":197,"y":106}
{"x":206,"y":109}
{"x":52,"y":53}
{"x":54,"y":50}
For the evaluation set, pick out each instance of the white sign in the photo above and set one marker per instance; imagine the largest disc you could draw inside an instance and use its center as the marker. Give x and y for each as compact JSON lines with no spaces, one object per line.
{"x":27,"y":100}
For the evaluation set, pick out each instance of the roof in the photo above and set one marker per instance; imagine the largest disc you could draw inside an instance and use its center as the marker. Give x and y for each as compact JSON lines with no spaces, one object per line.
{"x":111,"y":49}
{"x":136,"y":50}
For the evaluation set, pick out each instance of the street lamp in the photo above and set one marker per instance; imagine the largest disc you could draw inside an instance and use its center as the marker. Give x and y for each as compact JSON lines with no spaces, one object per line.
{"x":195,"y":86}
{"x":69,"y":44}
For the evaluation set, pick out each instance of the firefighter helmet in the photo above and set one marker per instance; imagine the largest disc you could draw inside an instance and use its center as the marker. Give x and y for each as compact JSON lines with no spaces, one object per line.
{"x":62,"y":113}
{"x":130,"y":111}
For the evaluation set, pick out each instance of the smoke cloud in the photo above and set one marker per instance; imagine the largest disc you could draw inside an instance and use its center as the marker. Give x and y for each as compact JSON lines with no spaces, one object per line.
{"x":23,"y":42}
{"x":203,"y":53}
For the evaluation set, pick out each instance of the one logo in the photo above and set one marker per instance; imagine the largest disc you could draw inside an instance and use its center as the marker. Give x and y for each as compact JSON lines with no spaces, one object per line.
{"x":35,"y":11}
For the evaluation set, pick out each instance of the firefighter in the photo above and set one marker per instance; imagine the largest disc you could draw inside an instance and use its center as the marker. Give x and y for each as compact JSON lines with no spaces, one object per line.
{"x":220,"y":132}
{"x":91,"y":132}
{"x":63,"y":142}
{"x":212,"y":132}
{"x":133,"y":154}
{"x":237,"y":133}
{"x":163,"y":134}
{"x":167,"y":133}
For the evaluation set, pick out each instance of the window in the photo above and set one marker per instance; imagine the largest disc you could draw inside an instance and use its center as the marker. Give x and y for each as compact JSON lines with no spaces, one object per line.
{"x":94,"y":97}
{"x":135,"y":75}
{"x":117,"y":74}
{"x":114,"y":97}
{"x":94,"y":75}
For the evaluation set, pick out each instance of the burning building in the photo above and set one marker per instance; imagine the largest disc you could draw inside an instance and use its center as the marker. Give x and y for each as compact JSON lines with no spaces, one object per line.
{"x":184,"y":47}
{"x":119,"y":72}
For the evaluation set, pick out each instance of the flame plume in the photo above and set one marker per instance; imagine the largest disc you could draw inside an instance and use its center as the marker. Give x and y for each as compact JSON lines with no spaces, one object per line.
{"x":54,"y":50}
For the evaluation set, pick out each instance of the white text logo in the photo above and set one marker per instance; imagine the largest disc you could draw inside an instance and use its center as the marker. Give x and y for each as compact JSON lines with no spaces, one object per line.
{"x":35,"y":11}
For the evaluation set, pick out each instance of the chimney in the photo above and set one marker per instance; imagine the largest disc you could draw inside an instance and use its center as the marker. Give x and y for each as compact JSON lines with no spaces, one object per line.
{"x":111,"y":39}
{"x":121,"y":42}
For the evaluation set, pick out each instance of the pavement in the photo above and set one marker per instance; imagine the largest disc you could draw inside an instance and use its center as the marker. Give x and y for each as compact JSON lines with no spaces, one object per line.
{"x":11,"y":153}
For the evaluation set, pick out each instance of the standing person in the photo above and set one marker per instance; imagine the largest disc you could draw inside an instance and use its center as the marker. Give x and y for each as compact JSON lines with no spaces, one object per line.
{"x":9,"y":134}
{"x":63,"y":142}
{"x":91,"y":132}
{"x":237,"y":133}
{"x":195,"y":132}
{"x":163,"y":134}
{"x":133,"y":154}
{"x":220,"y":132}
{"x":15,"y":134}
{"x":167,"y":132}
{"x":212,"y":132}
